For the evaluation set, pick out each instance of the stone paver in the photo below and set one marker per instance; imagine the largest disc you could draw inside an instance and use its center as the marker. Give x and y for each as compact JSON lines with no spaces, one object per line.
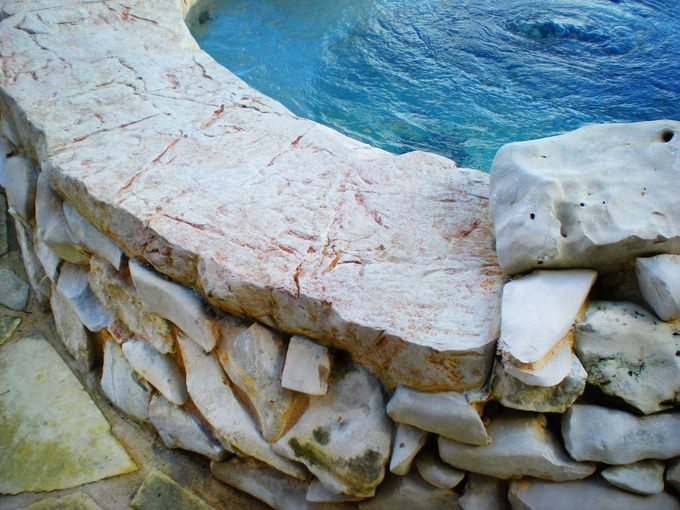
{"x":160,"y":492}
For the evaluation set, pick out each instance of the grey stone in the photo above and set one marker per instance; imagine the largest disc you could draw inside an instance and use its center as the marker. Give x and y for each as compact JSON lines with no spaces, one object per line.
{"x":484,"y":493}
{"x":613,"y":436}
{"x":87,"y":235}
{"x":4,"y":239}
{"x":317,"y":493}
{"x":449,"y":414}
{"x":562,"y":201}
{"x":436,"y":472}
{"x":34,"y":270}
{"x":659,"y":281}
{"x":408,"y":441}
{"x":160,"y":492}
{"x":344,"y":436}
{"x":673,"y":474}
{"x":410,"y":492}
{"x":253,"y":359}
{"x":630,"y":354}
{"x":522,"y":445}
{"x":307,"y":366}
{"x":644,"y":477}
{"x":124,"y":388}
{"x":73,"y":286}
{"x":71,"y":331}
{"x":590,"y":494}
{"x":49,"y":260}
{"x":20,"y":186}
{"x":13,"y":290}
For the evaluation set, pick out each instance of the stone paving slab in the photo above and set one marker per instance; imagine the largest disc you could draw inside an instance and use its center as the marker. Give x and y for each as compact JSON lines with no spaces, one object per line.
{"x":160,"y":492}
{"x":77,"y":501}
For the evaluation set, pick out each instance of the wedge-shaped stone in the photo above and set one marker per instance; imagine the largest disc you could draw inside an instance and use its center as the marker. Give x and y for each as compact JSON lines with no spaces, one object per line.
{"x":21,"y":180}
{"x":254,"y":360}
{"x":87,"y":235}
{"x":161,"y":370}
{"x":73,"y":286}
{"x":34,"y":270}
{"x":522,"y":445}
{"x":410,"y":492}
{"x":630,"y":354}
{"x":124,"y":388}
{"x":436,"y":472}
{"x":217,"y":403}
{"x":317,"y":493}
{"x":562,"y":201}
{"x":176,"y":303}
{"x":408,"y":441}
{"x":553,"y":372}
{"x":180,"y":428}
{"x":77,"y":501}
{"x":71,"y":331}
{"x":590,"y":494}
{"x":120,"y":298}
{"x":344,"y":436}
{"x":307,"y":366}
{"x":644,"y":477}
{"x":513,"y":393}
{"x":51,"y":433}
{"x":485,"y":493}
{"x":659,"y":281}
{"x":13,"y":290}
{"x":449,"y":414}
{"x":612,"y":436}
{"x":49,"y":260}
{"x":537,"y":313}
{"x":160,"y":492}
{"x":673,"y":474}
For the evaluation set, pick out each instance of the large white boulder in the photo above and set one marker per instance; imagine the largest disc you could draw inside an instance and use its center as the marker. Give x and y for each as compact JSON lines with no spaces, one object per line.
{"x":659,"y":281}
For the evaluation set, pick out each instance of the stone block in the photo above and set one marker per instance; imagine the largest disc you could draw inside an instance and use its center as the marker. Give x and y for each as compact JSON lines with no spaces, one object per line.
{"x":307,"y":366}
{"x":644,"y":477}
{"x":659,"y":281}
{"x":73,"y":286}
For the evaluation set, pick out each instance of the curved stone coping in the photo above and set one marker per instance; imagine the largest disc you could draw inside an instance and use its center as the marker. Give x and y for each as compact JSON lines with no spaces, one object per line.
{"x":268,"y":215}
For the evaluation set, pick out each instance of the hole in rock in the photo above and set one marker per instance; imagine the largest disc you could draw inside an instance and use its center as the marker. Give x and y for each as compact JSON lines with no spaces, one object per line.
{"x":667,"y":135}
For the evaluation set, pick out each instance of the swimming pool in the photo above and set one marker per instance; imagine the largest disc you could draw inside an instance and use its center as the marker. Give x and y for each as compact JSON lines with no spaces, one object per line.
{"x":458,"y":78}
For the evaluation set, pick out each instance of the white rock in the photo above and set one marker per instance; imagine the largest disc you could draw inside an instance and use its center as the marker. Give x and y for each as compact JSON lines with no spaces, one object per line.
{"x":436,"y":472}
{"x":409,"y":492}
{"x":307,"y":366}
{"x":617,"y":437}
{"x":216,"y":401}
{"x":484,"y":493}
{"x":180,"y":428}
{"x":71,"y":331}
{"x":21,"y":180}
{"x":673,"y":474}
{"x":537,"y":313}
{"x":87,"y":235}
{"x":34,"y":270}
{"x":176,"y":303}
{"x":73,"y":286}
{"x":161,"y":370}
{"x":562,"y":201}
{"x":124,"y":388}
{"x":549,"y":375}
{"x":408,"y":441}
{"x":659,"y":281}
{"x":590,"y":494}
{"x":49,"y":260}
{"x":344,"y":436}
{"x":630,"y":354}
{"x":644,"y":477}
{"x":317,"y":493}
{"x":253,"y":359}
{"x":449,"y":414}
{"x":522,"y":445}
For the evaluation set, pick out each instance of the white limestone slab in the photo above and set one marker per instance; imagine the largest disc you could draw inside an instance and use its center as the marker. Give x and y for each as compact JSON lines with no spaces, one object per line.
{"x":548,"y":375}
{"x":408,"y":441}
{"x":307,"y":366}
{"x":73,"y":286}
{"x":659,"y":281}
{"x":87,"y":235}
{"x":49,"y":260}
{"x":34,"y":270}
{"x":436,"y":472}
{"x":124,"y":388}
{"x":71,"y":331}
{"x":21,"y":179}
{"x":644,"y":477}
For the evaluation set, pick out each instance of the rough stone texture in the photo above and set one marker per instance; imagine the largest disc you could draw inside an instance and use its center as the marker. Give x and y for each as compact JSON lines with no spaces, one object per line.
{"x":629,"y":353}
{"x":253,"y":360}
{"x":217,"y":403}
{"x":552,"y":373}
{"x":13,"y":290}
{"x":522,"y":445}
{"x":484,"y":493}
{"x":449,"y":414}
{"x":71,"y":331}
{"x":175,"y":303}
{"x":562,"y":202}
{"x":120,"y":298}
{"x":617,"y":437}
{"x":410,"y":492}
{"x":46,"y":420}
{"x":344,"y":436}
{"x":407,"y":442}
{"x":73,"y":287}
{"x":180,"y":428}
{"x":659,"y":281}
{"x":125,"y":389}
{"x":435,"y":472}
{"x":92,"y":238}
{"x":77,"y":501}
{"x":160,"y":492}
{"x":20,"y":186}
{"x":161,"y":370}
{"x":307,"y":366}
{"x":4,"y":241}
{"x":317,"y":493}
{"x":644,"y":477}
{"x":36,"y":275}
{"x":513,"y":393}
{"x":7,"y":327}
{"x":673,"y":474}
{"x":591,"y":494}
{"x":49,"y":260}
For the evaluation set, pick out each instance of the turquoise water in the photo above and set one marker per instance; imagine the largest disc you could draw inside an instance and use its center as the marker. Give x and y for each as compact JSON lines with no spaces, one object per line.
{"x":458,"y":78}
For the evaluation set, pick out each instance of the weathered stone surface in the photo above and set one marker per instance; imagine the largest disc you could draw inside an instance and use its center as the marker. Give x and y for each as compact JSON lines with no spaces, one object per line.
{"x":9,"y":136}
{"x":659,"y":281}
{"x":552,"y":373}
{"x":449,"y":414}
{"x":161,"y":370}
{"x":590,"y":494}
{"x":613,"y":436}
{"x":307,"y":366}
{"x":410,"y":492}
{"x":537,"y":313}
{"x":7,"y":327}
{"x":644,"y":477}
{"x":77,"y":501}
{"x":13,"y":290}
{"x":344,"y":436}
{"x":180,"y":428}
{"x":561,"y":201}
{"x":253,"y":359}
{"x":73,"y":287}
{"x":408,"y":441}
{"x":49,"y":260}
{"x":87,"y":235}
{"x":176,"y":303}
{"x":4,"y":241}
{"x":436,"y":472}
{"x":219,"y":406}
{"x":513,"y":393}
{"x":160,"y":492}
{"x":36,"y":275}
{"x":51,"y":433}
{"x":71,"y":331}
{"x":522,"y":445}
{"x":120,"y":298}
{"x":125,"y":389}
{"x":317,"y":493}
{"x":673,"y":474}
{"x":20,"y":186}
{"x":630,"y":354}
{"x":484,"y":493}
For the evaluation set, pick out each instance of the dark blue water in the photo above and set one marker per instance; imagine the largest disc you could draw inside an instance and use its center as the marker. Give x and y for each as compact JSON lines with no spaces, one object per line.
{"x":455,"y":77}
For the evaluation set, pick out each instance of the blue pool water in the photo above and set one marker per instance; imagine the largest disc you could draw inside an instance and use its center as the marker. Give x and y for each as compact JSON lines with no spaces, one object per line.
{"x":455,"y":77}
